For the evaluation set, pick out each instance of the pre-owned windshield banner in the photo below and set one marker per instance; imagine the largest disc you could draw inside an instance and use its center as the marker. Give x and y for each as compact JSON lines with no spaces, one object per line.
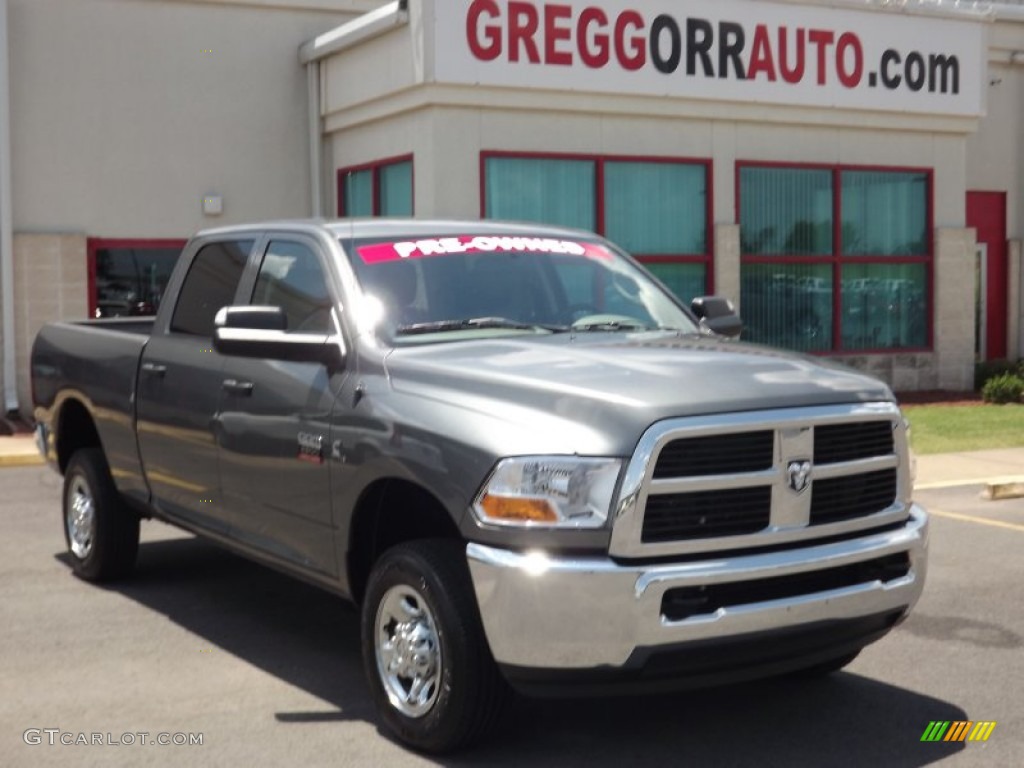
{"x":734,"y":50}
{"x":375,"y":253}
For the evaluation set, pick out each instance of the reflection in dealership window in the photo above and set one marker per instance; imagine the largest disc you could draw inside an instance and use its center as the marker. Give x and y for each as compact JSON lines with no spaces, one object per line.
{"x":655,"y":208}
{"x":130,"y":281}
{"x":835,"y":259}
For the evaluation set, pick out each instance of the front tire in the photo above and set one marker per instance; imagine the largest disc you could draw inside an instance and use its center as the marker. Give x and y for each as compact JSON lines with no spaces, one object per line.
{"x":431,"y":674}
{"x":101,"y":533}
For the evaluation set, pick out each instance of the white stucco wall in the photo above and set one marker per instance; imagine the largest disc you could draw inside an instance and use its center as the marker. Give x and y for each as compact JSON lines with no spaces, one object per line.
{"x":126,"y":112}
{"x":995,"y":158}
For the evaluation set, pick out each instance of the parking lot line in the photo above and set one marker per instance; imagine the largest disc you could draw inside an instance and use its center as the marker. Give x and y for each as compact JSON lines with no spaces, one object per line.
{"x":973,"y":519}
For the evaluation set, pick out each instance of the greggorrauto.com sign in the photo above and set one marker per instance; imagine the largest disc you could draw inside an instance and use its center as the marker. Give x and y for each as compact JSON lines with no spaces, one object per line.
{"x":734,"y":50}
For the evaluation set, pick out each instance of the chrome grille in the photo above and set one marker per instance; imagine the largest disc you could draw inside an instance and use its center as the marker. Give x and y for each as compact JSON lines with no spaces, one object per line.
{"x":735,"y":481}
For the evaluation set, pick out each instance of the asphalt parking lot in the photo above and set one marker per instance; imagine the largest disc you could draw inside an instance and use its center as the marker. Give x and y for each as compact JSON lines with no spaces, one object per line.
{"x":267,"y":669}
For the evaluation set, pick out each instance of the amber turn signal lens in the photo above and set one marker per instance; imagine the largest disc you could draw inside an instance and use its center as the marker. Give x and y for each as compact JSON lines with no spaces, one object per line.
{"x":513,"y":508}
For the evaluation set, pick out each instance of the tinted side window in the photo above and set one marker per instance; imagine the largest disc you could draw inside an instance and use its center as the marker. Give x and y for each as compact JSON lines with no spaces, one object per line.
{"x":291,"y":277}
{"x":209,"y":285}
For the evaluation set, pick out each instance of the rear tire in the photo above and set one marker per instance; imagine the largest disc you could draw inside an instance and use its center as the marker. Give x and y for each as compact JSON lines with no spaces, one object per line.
{"x":431,"y":674}
{"x":101,"y":533}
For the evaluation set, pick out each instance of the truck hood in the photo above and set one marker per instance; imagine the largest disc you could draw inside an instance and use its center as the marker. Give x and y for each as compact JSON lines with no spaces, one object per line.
{"x":605,"y":389}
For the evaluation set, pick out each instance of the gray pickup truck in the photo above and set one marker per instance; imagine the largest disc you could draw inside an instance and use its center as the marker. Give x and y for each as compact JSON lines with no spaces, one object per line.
{"x":527,"y":462}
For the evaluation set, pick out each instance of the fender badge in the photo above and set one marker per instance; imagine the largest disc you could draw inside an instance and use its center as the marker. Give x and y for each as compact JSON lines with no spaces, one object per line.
{"x":311,"y":447}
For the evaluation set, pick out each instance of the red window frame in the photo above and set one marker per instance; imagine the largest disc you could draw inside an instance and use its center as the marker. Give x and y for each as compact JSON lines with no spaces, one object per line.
{"x":706,"y":258}
{"x":837,"y":260}
{"x":94,"y":244}
{"x":375,"y":167}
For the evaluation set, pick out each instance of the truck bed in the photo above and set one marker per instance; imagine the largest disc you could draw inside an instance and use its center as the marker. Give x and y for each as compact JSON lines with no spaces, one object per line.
{"x":96,"y":361}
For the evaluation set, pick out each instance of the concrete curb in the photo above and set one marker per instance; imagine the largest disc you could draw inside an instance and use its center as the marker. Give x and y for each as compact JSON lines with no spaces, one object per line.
{"x":21,"y":460}
{"x":997,"y":491}
{"x":19,"y":451}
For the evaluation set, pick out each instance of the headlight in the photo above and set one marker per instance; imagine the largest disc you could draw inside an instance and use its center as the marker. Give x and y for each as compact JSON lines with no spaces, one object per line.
{"x":549,"y":492}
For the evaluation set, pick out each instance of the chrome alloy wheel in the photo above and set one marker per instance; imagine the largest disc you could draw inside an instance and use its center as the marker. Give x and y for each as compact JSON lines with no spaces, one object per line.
{"x":81,"y":518}
{"x":408,"y":651}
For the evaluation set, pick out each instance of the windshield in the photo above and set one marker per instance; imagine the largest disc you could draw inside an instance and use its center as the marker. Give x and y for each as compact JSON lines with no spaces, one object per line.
{"x":483,"y":285}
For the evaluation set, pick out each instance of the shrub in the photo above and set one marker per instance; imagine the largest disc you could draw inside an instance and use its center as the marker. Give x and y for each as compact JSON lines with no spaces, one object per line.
{"x":1003,"y":388}
{"x":990,"y":368}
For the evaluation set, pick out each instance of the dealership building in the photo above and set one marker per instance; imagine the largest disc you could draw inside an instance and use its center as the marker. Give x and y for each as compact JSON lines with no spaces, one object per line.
{"x":849,"y":173}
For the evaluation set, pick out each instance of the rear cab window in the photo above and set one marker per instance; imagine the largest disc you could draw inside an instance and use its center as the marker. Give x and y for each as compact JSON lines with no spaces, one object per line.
{"x":211,"y":283}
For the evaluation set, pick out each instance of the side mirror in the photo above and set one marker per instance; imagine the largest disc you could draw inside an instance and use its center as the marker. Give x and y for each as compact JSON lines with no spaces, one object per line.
{"x":262,"y":318}
{"x":718,"y":315}
{"x":259,"y":332}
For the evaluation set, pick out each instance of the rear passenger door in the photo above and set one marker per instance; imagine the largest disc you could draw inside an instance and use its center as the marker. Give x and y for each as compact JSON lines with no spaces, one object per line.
{"x":180,"y":385}
{"x":274,"y":421}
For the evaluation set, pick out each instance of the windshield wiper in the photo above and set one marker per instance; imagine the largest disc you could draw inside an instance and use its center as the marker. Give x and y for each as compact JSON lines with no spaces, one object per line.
{"x":439,"y":326}
{"x":615,"y":325}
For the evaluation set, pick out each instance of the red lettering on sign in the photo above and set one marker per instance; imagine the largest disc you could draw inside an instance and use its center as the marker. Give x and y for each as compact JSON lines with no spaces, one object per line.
{"x":849,"y":42}
{"x":761,"y":55}
{"x":635,"y":56}
{"x":553,"y":34}
{"x":595,"y":57}
{"x":522,"y":27}
{"x":823,"y":39}
{"x":492,"y":34}
{"x":796,"y":73}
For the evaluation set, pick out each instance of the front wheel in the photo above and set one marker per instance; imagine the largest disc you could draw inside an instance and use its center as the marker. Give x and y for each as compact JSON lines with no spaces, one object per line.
{"x":101,"y":533}
{"x":430,"y":670}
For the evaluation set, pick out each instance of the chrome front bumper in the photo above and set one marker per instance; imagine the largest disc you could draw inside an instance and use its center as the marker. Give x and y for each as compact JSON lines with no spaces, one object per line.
{"x":588,"y":613}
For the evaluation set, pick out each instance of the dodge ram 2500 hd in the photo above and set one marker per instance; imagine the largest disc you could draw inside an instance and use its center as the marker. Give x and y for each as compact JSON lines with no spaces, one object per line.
{"x":526,"y":461}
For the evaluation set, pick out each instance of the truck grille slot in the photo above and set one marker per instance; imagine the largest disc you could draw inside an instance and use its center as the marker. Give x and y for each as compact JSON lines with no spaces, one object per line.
{"x":851,"y":496}
{"x":707,"y":514}
{"x":685,"y":602}
{"x":716,"y":455}
{"x":848,"y":442}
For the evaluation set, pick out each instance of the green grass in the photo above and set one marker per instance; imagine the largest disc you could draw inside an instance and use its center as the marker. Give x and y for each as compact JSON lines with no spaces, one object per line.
{"x":954,"y":428}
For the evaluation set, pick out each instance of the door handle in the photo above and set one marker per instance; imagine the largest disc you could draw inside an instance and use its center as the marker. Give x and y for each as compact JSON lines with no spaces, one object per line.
{"x":235,"y":387}
{"x":155,"y":368}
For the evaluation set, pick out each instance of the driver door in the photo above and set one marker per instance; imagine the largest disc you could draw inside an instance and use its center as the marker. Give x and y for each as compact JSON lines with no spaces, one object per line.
{"x":274,"y":421}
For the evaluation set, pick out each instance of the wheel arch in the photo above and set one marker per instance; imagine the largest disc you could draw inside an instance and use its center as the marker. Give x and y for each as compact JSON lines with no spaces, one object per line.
{"x":392,"y":511}
{"x":76,"y":429}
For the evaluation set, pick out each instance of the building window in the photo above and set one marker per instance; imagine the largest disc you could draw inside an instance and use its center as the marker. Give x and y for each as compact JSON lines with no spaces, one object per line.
{"x":655,"y":208}
{"x":129,"y":277}
{"x":835,"y":259}
{"x":383,"y":188}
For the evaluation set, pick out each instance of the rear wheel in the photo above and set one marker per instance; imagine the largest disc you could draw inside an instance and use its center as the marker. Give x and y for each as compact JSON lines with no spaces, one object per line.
{"x":101,"y":533}
{"x":431,"y":674}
